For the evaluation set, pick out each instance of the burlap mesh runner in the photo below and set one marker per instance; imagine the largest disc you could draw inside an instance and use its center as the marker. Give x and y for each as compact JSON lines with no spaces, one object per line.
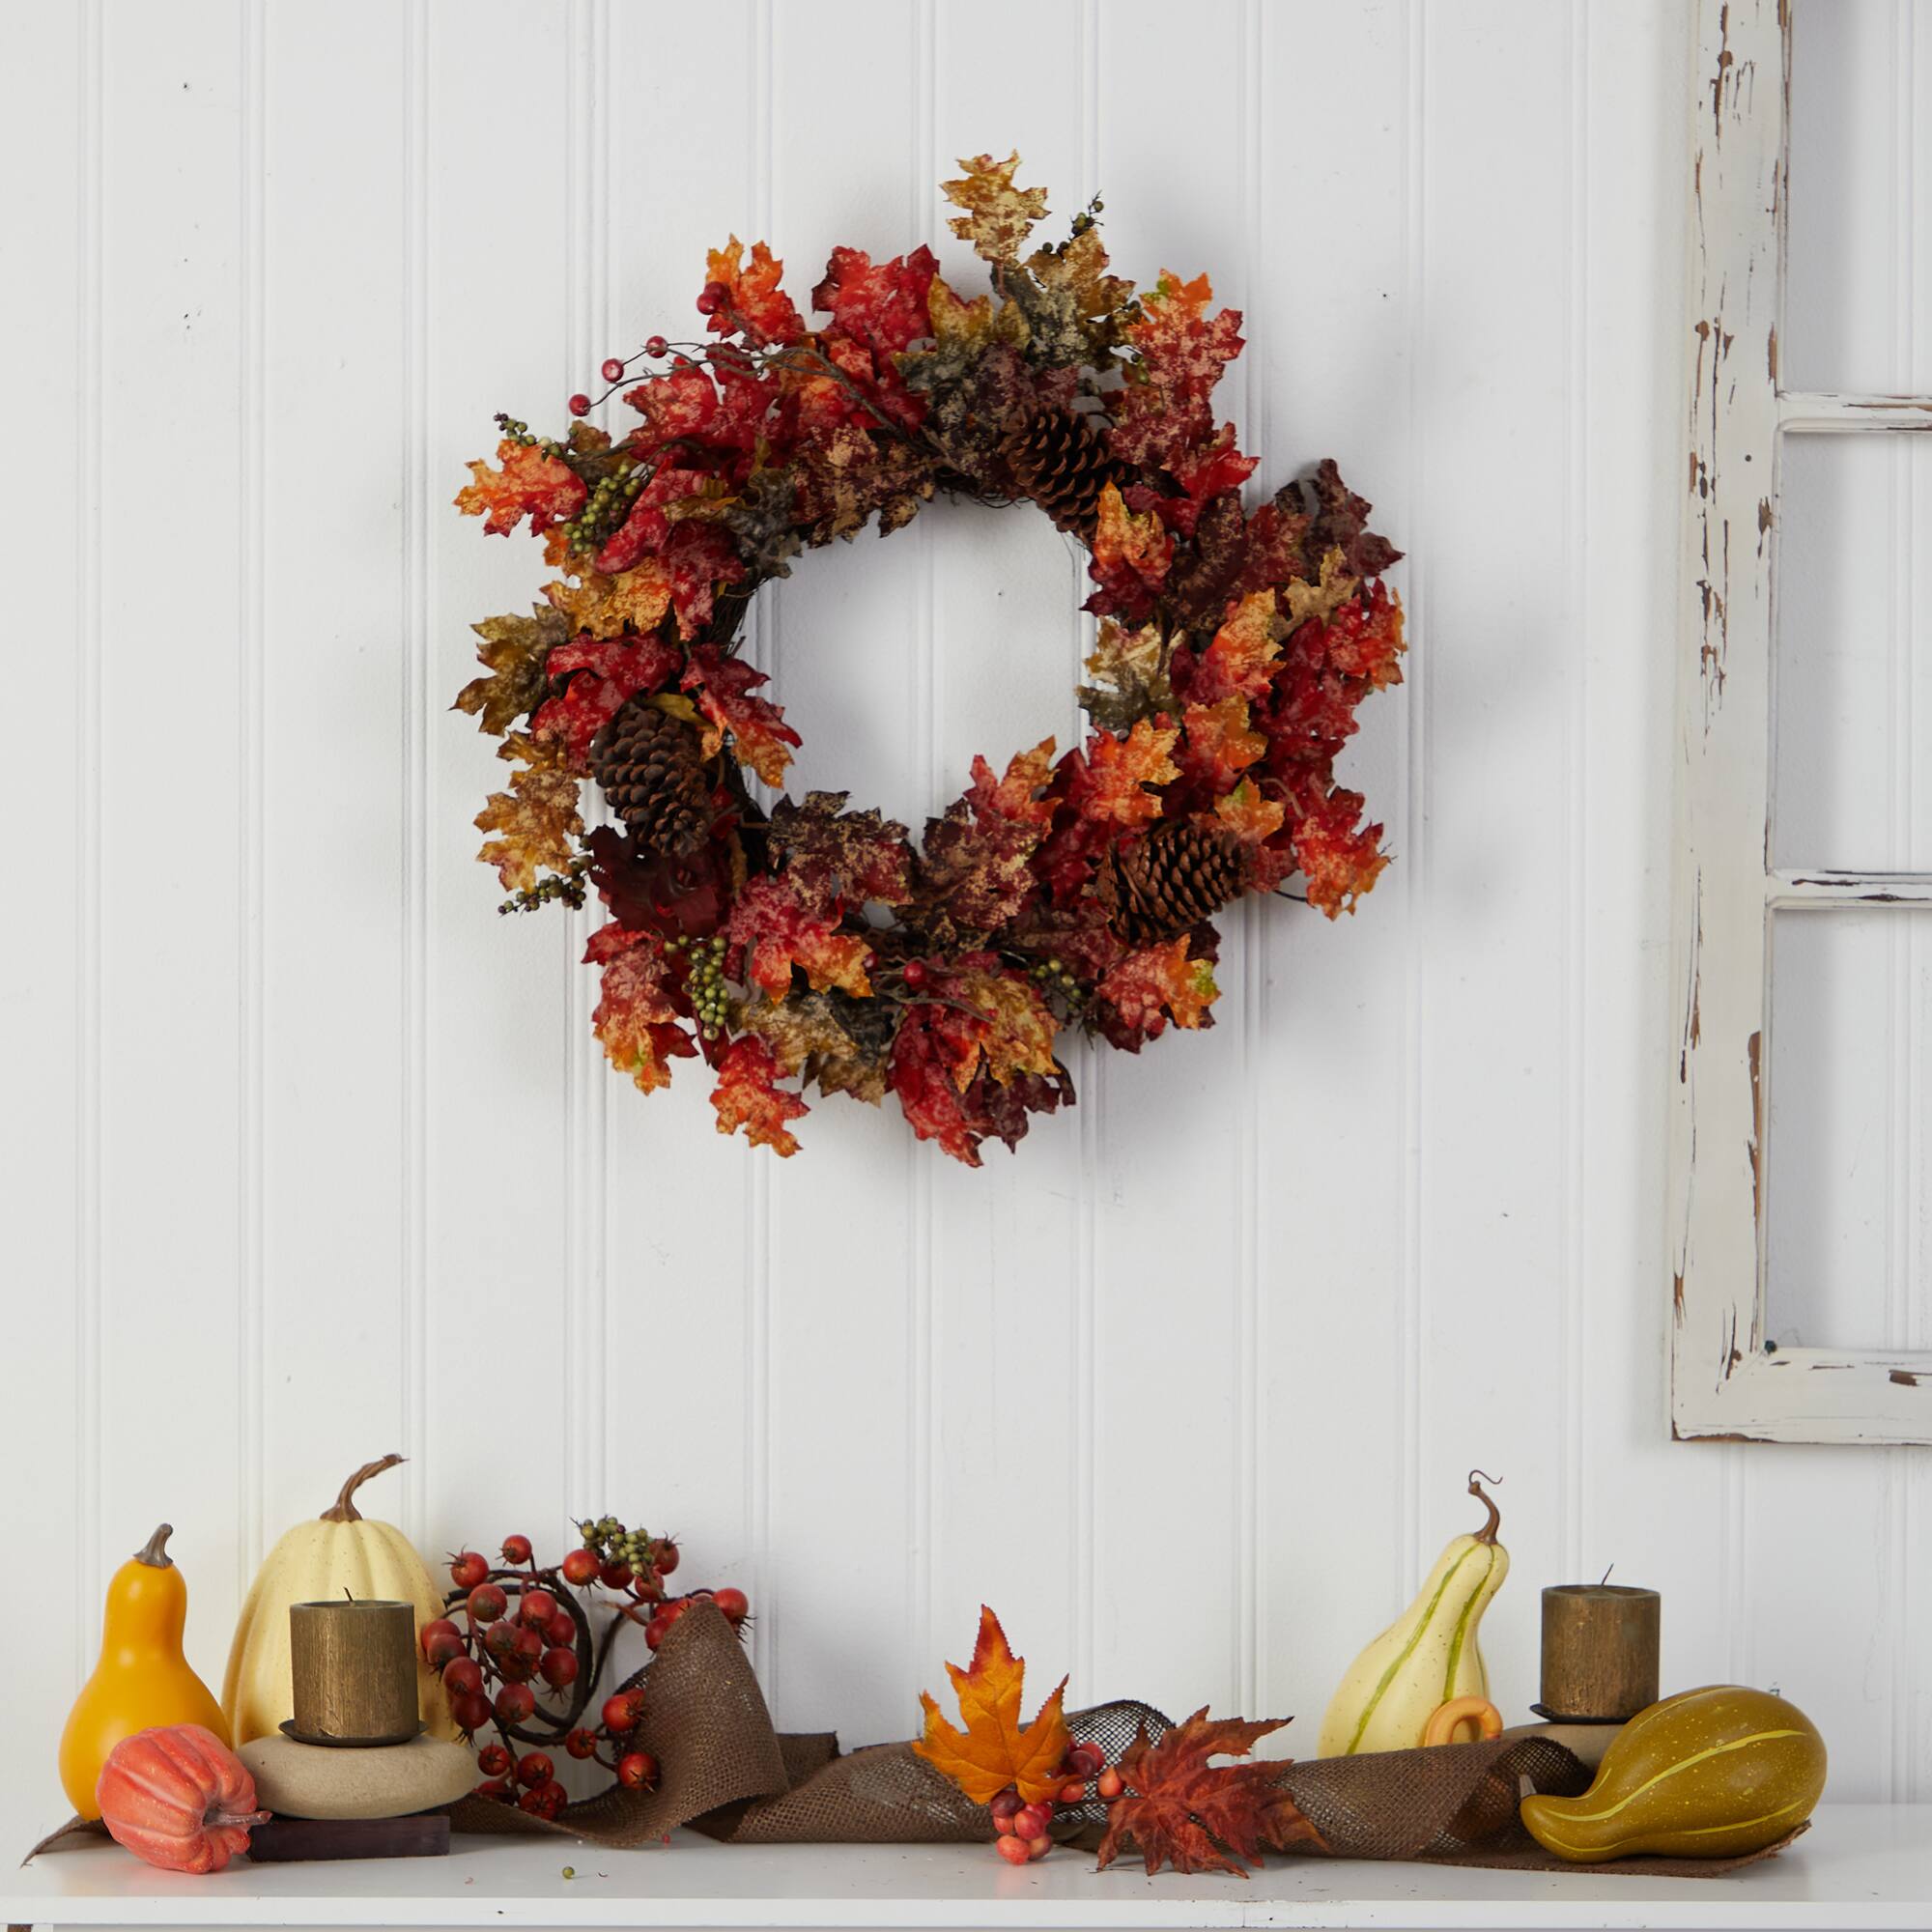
{"x":728,"y":1773}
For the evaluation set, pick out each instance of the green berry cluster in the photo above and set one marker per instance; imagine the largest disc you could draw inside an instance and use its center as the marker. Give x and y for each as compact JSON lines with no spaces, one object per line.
{"x":605,"y":511}
{"x":704,"y":981}
{"x":1052,"y":977}
{"x":610,"y":1541}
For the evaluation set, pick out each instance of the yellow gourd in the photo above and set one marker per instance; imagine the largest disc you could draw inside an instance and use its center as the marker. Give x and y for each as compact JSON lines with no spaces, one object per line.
{"x":341,"y":1549}
{"x":143,"y":1678}
{"x":1717,"y":1773}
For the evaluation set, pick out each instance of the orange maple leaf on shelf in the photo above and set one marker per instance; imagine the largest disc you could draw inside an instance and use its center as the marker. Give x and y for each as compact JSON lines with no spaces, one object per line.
{"x":995,"y":1749}
{"x":1182,"y":1811}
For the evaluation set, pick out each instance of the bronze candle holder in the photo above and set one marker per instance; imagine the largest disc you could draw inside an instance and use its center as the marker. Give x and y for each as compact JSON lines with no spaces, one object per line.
{"x":353,"y":1669}
{"x":1600,"y":1652}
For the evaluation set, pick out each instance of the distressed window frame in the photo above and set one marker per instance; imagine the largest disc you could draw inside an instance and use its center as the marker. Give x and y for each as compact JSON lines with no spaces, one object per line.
{"x":1728,"y":1379}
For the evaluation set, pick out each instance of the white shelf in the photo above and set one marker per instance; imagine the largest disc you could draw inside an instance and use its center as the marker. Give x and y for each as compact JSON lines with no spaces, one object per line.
{"x":1860,"y":1868}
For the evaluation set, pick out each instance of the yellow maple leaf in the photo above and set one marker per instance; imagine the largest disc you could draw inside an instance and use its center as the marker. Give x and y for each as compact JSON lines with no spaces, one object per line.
{"x":1324,"y":598}
{"x":1020,"y":1032}
{"x":999,"y":216}
{"x":995,"y":1749}
{"x":537,"y":817}
{"x":607,"y":607}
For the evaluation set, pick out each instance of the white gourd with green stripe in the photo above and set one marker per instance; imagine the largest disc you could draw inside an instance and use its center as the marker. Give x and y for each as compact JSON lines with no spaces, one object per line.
{"x":1429,"y":1655}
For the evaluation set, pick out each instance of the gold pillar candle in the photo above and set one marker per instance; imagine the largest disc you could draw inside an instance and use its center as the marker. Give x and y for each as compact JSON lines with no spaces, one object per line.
{"x":1600,"y":1645}
{"x":354,"y":1669}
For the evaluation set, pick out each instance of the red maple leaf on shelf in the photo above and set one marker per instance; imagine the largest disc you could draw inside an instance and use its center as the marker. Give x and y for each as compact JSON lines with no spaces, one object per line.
{"x":1182,"y":1811}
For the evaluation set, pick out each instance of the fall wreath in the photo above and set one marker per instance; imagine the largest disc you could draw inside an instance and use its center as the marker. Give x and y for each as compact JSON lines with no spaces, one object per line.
{"x":809,"y":941}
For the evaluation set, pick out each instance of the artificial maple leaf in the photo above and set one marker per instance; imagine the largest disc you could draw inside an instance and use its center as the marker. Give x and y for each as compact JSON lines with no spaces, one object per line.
{"x":1132,"y":551}
{"x":635,"y":1016}
{"x":1240,"y":659}
{"x":963,"y":332}
{"x":513,"y":649}
{"x":1341,"y":522}
{"x":1212,"y":468}
{"x":1111,"y":785}
{"x":998,"y":215}
{"x":1249,"y":816}
{"x":1072,"y":305}
{"x":603,"y":672}
{"x":754,"y":306}
{"x":537,"y":817}
{"x":748,"y":1096}
{"x":1340,"y":860}
{"x":1165,"y":410}
{"x":838,"y":856}
{"x":1014,"y":1035}
{"x":1365,"y":640}
{"x":1017,"y":793}
{"x":779,"y":932}
{"x":882,"y":304}
{"x":608,"y":607}
{"x":755,"y":726}
{"x":1217,"y":744}
{"x":1130,"y":674}
{"x":808,"y":1034}
{"x":1179,"y":1809}
{"x":530,"y":484}
{"x":1162,"y":982}
{"x":995,"y":1750}
{"x":1321,"y":598}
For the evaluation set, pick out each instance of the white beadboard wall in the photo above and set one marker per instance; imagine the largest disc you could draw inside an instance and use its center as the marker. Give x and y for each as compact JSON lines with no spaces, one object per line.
{"x":308,"y":1156}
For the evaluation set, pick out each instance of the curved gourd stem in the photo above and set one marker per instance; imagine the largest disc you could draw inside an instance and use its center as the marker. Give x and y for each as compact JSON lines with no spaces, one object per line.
{"x":1488,"y":1532}
{"x":344,"y":1509}
{"x":155,"y":1551}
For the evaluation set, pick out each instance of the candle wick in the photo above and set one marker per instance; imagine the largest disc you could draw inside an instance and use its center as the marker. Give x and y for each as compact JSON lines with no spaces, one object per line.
{"x":1606,"y":1577}
{"x":351,"y":1594}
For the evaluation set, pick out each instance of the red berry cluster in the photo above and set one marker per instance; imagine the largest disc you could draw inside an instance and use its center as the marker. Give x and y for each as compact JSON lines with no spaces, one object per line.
{"x":496,"y":1656}
{"x":1022,"y":1826}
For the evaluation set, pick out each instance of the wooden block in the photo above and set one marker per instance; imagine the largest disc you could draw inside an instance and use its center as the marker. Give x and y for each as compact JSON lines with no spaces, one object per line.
{"x":282,"y":1840}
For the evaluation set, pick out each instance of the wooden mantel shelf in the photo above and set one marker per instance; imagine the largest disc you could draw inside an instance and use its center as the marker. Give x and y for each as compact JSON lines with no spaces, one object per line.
{"x":1861,"y":1866}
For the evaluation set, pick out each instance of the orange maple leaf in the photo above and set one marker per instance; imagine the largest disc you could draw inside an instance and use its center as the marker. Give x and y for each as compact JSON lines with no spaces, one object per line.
{"x":1161,"y":979}
{"x":754,"y":302}
{"x":1249,"y":815}
{"x":1112,"y":790}
{"x":995,"y":1749}
{"x":1220,"y":741}
{"x":1132,"y":551}
{"x":530,"y":484}
{"x":748,"y":1096}
{"x":1241,"y":661}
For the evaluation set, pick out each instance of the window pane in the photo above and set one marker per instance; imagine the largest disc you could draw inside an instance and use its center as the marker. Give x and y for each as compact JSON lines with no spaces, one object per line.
{"x":1851,"y":778}
{"x":1847,"y":1183}
{"x":1859,"y":169}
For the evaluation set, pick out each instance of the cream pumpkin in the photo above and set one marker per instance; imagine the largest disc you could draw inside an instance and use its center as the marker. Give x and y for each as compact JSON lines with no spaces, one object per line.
{"x":341,"y":1549}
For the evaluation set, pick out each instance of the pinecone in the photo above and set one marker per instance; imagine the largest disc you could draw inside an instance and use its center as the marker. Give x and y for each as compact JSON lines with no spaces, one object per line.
{"x":1171,"y":880}
{"x":652,"y":772}
{"x":1060,"y":460}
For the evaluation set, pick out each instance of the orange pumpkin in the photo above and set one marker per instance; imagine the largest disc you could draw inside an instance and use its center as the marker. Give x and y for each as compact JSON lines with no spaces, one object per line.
{"x":179,"y":1798}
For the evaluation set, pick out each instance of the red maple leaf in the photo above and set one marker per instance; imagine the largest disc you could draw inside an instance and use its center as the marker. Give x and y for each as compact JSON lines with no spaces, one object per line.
{"x":754,"y":305}
{"x":1340,"y":860}
{"x":1110,"y":782}
{"x":881,"y":304}
{"x":530,"y":484}
{"x":1131,"y":554}
{"x":1182,"y":1811}
{"x":748,"y":1096}
{"x":603,"y":673}
{"x":835,"y":858}
{"x":1165,"y":410}
{"x":1156,"y":984}
{"x":636,"y":1017}
{"x":778,"y":931}
{"x":755,"y":726}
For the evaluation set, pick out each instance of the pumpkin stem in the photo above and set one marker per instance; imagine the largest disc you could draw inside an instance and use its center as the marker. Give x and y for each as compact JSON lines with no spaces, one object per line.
{"x":344,"y":1510}
{"x":155,"y":1551}
{"x":1488,"y":1532}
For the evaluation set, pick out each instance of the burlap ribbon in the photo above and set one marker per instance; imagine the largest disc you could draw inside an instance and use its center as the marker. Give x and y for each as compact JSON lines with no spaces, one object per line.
{"x":727,"y":1772}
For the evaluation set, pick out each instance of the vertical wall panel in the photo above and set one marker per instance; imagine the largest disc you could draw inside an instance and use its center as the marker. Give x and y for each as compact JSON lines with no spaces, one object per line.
{"x":171,"y":562}
{"x":331,"y":750}
{"x":46,"y":1192}
{"x":489,"y":995}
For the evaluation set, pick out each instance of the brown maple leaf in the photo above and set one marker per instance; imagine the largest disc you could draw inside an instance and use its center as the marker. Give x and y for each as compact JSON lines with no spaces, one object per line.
{"x":1179,"y":1809}
{"x":998,"y":215}
{"x":515,"y":651}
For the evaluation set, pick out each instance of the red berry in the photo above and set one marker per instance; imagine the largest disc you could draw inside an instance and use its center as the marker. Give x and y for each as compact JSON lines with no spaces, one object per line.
{"x":620,"y":1712}
{"x":486,"y":1604}
{"x":562,"y":1629}
{"x":515,"y":1549}
{"x":1006,"y":1807}
{"x":1039,"y":1847}
{"x":733,"y":1602}
{"x":515,"y":1703}
{"x":615,"y":1575}
{"x":535,"y":1767}
{"x":441,"y":1641}
{"x":638,"y":1771}
{"x":492,"y":1761}
{"x":500,"y":1638}
{"x":1087,"y":1759}
{"x":462,"y":1675}
{"x":656,"y":346}
{"x":580,"y":1567}
{"x":581,"y":1743}
{"x":558,"y":1667}
{"x":554,"y":1798}
{"x":1074,"y":1794}
{"x":711,"y":298}
{"x":915,"y":974}
{"x":467,"y":1569}
{"x":664,"y":1556}
{"x":1111,"y":1784}
{"x":536,"y":1608}
{"x":1029,"y":1821}
{"x":493,"y":1787}
{"x":471,"y":1713}
{"x":580,"y":404}
{"x":614,"y":369}
{"x":529,"y":1647}
{"x":1013,"y":1849}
